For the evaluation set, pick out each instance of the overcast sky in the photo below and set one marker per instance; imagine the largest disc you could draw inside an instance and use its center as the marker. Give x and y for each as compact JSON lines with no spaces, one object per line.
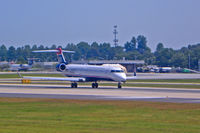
{"x":175,"y":23}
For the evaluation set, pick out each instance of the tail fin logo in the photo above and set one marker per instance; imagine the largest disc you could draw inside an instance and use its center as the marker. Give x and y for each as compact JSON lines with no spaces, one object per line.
{"x":59,"y":51}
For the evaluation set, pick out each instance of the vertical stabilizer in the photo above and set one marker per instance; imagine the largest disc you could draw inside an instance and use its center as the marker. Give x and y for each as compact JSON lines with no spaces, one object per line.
{"x":60,"y":56}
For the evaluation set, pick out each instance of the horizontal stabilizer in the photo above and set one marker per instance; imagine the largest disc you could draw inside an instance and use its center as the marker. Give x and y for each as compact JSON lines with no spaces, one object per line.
{"x":49,"y":51}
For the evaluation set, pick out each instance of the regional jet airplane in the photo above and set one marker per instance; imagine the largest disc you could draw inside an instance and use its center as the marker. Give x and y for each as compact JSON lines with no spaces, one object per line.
{"x":83,"y":73}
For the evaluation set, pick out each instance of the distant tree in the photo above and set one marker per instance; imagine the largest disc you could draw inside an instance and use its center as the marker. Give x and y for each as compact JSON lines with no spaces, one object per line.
{"x":41,"y":47}
{"x":21,"y":60}
{"x":82,"y":50}
{"x":19,"y":53}
{"x":43,"y":56}
{"x":119,"y":53}
{"x":71,"y":46}
{"x":3,"y":53}
{"x":130,"y":46}
{"x":27,"y":51}
{"x":53,"y":46}
{"x":164,"y":57}
{"x":159,"y":47}
{"x":95,"y":45}
{"x":106,"y":52}
{"x":34,"y":47}
{"x":93,"y":53}
{"x":127,"y":46}
{"x":133,"y":43}
{"x":136,"y":48}
{"x":179,"y":60}
{"x":142,"y":44}
{"x":11,"y":53}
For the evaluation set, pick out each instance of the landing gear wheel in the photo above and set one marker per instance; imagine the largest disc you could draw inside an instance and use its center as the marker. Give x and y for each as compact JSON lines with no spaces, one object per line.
{"x":74,"y":85}
{"x":119,"y":85}
{"x":95,"y":85}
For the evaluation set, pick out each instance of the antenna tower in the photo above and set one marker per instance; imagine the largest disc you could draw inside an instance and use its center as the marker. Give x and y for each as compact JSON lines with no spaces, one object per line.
{"x":115,"y":36}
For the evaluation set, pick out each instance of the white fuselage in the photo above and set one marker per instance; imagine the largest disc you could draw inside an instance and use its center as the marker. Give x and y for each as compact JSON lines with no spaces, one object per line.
{"x":95,"y":73}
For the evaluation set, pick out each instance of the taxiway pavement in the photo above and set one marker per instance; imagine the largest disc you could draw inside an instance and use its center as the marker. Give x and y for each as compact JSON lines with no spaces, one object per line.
{"x":102,"y":93}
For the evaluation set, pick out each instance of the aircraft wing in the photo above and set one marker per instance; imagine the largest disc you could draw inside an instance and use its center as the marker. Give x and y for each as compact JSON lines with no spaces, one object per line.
{"x":73,"y":79}
{"x":131,"y":77}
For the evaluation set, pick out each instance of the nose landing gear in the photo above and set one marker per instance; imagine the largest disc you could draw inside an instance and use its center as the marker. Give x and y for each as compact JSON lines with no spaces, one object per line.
{"x":95,"y":85}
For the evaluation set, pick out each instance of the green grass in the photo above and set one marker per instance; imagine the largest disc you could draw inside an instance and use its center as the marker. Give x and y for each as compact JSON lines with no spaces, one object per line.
{"x":167,"y":80}
{"x":19,"y":115}
{"x":164,"y":86}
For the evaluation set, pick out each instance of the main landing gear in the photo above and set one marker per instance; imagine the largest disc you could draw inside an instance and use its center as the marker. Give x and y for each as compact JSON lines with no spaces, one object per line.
{"x":119,"y":85}
{"x":74,"y":85}
{"x":95,"y":85}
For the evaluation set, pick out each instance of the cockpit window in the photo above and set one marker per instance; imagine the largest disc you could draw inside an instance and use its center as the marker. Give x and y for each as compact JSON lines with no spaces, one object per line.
{"x":117,"y":71}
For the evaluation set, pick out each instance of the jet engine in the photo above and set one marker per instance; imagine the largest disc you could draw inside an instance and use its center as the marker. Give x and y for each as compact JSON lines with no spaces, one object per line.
{"x":61,"y":67}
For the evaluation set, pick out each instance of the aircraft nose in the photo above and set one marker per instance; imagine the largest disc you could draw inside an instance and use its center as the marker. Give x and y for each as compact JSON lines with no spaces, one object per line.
{"x":121,"y":77}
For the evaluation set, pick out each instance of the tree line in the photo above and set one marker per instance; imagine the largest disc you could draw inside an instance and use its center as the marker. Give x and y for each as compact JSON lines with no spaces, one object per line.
{"x":135,"y":49}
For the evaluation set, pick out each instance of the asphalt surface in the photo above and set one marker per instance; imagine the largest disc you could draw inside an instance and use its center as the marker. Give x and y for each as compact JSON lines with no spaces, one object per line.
{"x":102,"y":93}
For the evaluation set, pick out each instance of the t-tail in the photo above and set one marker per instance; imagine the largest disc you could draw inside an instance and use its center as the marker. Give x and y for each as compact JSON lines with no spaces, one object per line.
{"x":59,"y":52}
{"x":60,"y":56}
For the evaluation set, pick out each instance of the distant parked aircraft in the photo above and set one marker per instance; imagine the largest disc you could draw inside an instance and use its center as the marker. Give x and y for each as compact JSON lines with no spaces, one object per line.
{"x":22,"y":67}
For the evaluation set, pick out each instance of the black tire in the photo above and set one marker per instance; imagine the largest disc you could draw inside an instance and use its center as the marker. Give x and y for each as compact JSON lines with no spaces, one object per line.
{"x":72,"y":85}
{"x":75,"y":85}
{"x":119,"y":85}
{"x":93,"y":85}
{"x":96,"y":85}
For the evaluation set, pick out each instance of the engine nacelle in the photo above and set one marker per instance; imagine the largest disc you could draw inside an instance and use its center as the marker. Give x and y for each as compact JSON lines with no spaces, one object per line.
{"x":61,"y":67}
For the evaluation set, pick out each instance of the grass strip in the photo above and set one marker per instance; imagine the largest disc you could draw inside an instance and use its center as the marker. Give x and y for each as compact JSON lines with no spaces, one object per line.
{"x":27,"y":115}
{"x":167,"y":80}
